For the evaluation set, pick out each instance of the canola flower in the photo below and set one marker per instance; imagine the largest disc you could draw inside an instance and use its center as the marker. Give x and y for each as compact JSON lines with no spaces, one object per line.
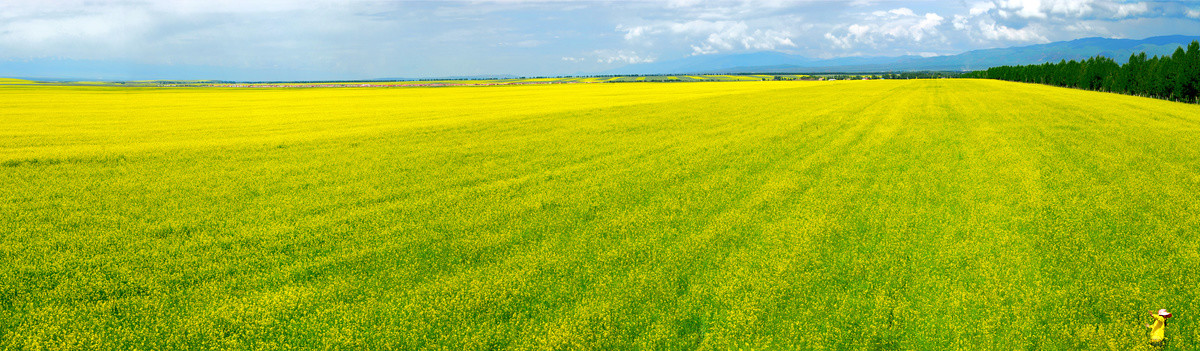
{"x":946,"y":214}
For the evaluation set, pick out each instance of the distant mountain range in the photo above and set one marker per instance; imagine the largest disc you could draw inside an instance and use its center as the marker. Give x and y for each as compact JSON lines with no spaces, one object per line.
{"x":767,"y":61}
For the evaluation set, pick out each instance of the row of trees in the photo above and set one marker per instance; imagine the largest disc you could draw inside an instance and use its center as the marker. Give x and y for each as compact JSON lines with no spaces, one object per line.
{"x":1175,"y":77}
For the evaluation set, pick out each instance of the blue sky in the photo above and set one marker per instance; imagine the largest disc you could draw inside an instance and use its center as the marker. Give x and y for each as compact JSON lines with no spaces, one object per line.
{"x":277,"y":39}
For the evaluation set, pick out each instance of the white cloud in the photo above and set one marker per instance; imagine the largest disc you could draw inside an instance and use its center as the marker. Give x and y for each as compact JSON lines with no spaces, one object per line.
{"x":703,"y":50}
{"x":621,"y":56}
{"x":1086,"y":27}
{"x":174,"y":7}
{"x":929,"y":23}
{"x":1131,"y":10}
{"x":728,"y":36}
{"x":185,"y":31}
{"x":993,"y":31}
{"x":902,"y":12}
{"x":1044,"y":8}
{"x":982,"y":8}
{"x":709,"y":37}
{"x":900,"y":24}
{"x":635,"y":32}
{"x":858,"y":30}
{"x":961,"y":22}
{"x":1035,"y":21}
{"x":1061,"y":9}
{"x":103,"y":32}
{"x":840,"y":42}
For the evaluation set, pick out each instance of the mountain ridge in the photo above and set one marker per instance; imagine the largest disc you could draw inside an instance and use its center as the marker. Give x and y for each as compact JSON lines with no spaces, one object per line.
{"x":769,"y":61}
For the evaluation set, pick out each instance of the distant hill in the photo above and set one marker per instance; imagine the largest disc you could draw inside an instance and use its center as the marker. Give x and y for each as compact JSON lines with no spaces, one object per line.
{"x":1118,"y":49}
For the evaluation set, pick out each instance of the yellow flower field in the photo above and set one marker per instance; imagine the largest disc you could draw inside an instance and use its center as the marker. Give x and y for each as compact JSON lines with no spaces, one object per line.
{"x":916,"y":214}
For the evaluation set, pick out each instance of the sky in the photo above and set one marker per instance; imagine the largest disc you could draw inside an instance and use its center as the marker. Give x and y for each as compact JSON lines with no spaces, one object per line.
{"x":353,"y":39}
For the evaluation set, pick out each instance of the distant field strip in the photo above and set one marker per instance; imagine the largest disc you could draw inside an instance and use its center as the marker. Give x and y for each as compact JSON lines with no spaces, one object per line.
{"x":5,"y":81}
{"x":438,"y":83}
{"x":113,"y":120}
{"x":922,"y":214}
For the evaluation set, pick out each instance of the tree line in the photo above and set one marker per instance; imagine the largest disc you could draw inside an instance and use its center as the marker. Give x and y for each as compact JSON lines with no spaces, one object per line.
{"x":1175,"y":77}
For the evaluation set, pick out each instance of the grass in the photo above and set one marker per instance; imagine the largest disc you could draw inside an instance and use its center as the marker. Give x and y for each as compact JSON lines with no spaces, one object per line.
{"x":934,"y":214}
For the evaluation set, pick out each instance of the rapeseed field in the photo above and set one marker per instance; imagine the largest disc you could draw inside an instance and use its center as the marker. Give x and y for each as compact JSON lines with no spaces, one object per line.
{"x":922,"y":214}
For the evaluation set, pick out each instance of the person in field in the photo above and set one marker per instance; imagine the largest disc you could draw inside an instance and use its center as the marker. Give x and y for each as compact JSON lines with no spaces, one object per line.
{"x":1158,"y":329}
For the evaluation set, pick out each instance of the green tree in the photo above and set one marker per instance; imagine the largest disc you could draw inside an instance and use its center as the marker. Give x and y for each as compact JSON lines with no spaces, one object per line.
{"x":1191,"y":72}
{"x":1175,"y":77}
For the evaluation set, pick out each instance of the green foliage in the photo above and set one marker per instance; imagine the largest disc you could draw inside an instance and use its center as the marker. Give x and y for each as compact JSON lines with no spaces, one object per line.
{"x":1175,"y":77}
